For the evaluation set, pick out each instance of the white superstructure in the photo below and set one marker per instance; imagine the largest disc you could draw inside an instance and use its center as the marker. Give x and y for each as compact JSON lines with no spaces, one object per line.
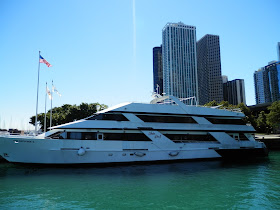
{"x":135,"y":132}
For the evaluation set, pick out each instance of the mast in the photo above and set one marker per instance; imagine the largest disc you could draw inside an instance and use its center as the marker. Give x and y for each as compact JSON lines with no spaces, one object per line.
{"x":36,"y":118}
{"x":45,"y":121}
{"x":51,"y":105}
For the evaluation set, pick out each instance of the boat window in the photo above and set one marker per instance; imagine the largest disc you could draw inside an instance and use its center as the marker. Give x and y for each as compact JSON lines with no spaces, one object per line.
{"x":111,"y":116}
{"x":242,"y":137}
{"x":89,"y":136}
{"x":166,"y":119}
{"x":58,"y":135}
{"x":178,"y":138}
{"x":99,"y":136}
{"x":239,"y":136}
{"x":74,"y":135}
{"x":125,"y":137}
{"x":226,"y":121}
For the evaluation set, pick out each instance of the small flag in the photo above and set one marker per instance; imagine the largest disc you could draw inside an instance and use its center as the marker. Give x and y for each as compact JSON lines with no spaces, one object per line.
{"x":55,"y":90}
{"x":49,"y":93}
{"x":43,"y":60}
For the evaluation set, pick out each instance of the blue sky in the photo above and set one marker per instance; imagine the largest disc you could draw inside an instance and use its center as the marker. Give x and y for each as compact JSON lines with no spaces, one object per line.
{"x":101,"y":51}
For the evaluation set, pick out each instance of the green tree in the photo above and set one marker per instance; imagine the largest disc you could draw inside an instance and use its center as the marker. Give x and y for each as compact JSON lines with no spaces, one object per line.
{"x":261,"y":121}
{"x":211,"y":103}
{"x":249,"y":118}
{"x":68,"y":113}
{"x":273,"y":117}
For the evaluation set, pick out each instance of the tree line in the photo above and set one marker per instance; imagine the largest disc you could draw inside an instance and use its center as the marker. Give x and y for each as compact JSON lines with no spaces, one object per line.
{"x":262,"y":122}
{"x":67,"y":113}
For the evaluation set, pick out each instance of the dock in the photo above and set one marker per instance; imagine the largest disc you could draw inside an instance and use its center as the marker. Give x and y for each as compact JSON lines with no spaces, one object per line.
{"x":272,"y":141}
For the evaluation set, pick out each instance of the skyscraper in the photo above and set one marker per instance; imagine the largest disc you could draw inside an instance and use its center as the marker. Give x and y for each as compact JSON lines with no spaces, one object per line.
{"x":157,"y":70}
{"x":234,"y":91}
{"x":278,"y":50}
{"x":267,"y":83}
{"x":179,"y":60}
{"x":210,"y":86}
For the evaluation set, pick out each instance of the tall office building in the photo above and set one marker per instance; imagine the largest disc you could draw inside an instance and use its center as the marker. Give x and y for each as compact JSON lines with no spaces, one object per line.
{"x":157,"y":70}
{"x":179,"y":60}
{"x":210,"y":86}
{"x":278,"y":50}
{"x":234,"y":91}
{"x":267,"y":83}
{"x":224,"y":78}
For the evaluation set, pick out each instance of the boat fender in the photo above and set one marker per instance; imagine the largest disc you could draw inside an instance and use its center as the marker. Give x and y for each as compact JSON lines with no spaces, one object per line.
{"x":175,"y":153}
{"x":81,"y":151}
{"x":139,"y":154}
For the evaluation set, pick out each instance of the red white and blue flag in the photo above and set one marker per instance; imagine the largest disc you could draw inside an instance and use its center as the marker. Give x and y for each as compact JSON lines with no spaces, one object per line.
{"x":43,"y":60}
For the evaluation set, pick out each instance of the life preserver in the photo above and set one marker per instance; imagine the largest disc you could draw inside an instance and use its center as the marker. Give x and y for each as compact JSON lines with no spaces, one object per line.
{"x":81,"y":151}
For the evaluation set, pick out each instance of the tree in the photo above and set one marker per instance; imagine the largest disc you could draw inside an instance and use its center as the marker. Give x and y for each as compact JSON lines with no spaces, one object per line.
{"x":261,"y":121}
{"x":211,"y":103}
{"x":249,"y":118}
{"x":68,"y":113}
{"x":273,"y":117}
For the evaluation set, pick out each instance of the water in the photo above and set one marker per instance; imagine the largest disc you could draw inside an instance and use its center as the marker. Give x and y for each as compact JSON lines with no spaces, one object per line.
{"x":189,"y":185}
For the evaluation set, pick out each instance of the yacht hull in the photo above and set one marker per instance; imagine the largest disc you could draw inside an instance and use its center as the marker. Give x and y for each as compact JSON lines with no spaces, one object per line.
{"x":48,"y":151}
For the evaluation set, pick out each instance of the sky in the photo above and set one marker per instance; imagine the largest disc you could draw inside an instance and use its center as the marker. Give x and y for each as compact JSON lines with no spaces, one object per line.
{"x":101,"y":51}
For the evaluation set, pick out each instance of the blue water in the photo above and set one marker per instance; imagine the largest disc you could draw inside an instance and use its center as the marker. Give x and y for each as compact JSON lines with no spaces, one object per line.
{"x":189,"y":185}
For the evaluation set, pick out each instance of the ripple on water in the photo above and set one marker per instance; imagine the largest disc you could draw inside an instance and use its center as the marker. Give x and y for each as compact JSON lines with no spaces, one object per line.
{"x":207,"y":184}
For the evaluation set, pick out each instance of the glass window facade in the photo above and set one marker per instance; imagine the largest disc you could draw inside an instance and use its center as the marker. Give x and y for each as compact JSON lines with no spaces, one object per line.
{"x":267,"y":83}
{"x":179,"y":60}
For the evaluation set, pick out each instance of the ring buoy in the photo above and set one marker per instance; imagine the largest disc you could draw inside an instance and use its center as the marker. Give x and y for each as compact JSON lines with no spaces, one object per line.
{"x":81,"y":151}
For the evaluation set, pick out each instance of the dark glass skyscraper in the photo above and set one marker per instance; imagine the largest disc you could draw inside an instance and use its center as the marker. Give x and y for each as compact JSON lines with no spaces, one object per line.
{"x":157,"y":70}
{"x":267,"y":83}
{"x":210,"y":86}
{"x":234,"y":91}
{"x":278,"y":50}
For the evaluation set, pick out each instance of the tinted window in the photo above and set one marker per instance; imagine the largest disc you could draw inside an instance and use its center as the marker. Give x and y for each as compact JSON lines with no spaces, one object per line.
{"x":166,"y":119}
{"x":116,"y":117}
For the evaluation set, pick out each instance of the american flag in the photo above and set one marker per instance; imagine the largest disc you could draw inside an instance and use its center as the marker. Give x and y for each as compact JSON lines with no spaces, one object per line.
{"x":43,"y":60}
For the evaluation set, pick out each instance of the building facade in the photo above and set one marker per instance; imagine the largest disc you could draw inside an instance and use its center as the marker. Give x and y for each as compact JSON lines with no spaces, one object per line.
{"x":179,"y":60}
{"x":267,"y":83}
{"x":234,"y":91}
{"x":210,"y":86}
{"x":158,"y":70}
{"x":278,"y":51}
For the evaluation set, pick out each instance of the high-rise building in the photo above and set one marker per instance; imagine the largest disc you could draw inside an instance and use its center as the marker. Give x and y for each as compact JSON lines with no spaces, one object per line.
{"x":179,"y":60}
{"x":259,"y":79}
{"x":224,"y":78}
{"x":267,"y":83}
{"x":234,"y":91}
{"x":278,"y":50}
{"x":157,"y":70}
{"x":210,"y":86}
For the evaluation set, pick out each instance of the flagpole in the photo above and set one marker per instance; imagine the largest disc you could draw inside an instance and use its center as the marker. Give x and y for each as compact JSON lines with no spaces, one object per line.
{"x":45,"y":121}
{"x":51,"y":105}
{"x":36,"y":118}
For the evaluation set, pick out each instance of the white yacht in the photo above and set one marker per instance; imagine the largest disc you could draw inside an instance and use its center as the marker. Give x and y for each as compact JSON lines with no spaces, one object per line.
{"x":136,"y":132}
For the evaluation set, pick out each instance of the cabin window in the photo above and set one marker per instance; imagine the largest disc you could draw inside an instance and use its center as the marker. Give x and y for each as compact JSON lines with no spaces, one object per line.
{"x":178,"y":138}
{"x":125,"y":137}
{"x":58,"y":135}
{"x":242,"y":137}
{"x":99,"y":136}
{"x":74,"y":135}
{"x":239,"y":136}
{"x":226,"y":121}
{"x":166,"y":119}
{"x":108,"y":116}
